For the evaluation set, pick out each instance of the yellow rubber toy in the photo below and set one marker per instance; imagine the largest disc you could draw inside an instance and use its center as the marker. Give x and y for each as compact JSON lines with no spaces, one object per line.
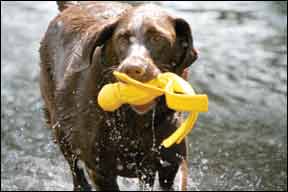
{"x":179,"y":96}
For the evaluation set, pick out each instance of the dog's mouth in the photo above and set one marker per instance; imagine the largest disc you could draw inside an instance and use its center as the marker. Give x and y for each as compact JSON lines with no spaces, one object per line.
{"x":142,"y":109}
{"x":147,"y":76}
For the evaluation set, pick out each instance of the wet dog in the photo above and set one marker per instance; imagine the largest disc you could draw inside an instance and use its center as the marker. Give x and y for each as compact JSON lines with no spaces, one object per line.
{"x":79,"y":51}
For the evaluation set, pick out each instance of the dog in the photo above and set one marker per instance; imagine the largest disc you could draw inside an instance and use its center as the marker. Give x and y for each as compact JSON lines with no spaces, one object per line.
{"x":81,"y":48}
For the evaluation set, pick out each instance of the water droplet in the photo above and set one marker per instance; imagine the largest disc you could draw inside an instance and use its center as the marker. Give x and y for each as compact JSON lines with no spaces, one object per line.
{"x":133,"y":142}
{"x":204,"y":161}
{"x":238,"y":173}
{"x":78,"y":151}
{"x":258,"y":182}
{"x":205,"y":167}
{"x":119,"y":167}
{"x":178,"y":155}
{"x":153,"y":129}
{"x":222,"y":176}
{"x":143,"y":177}
{"x":108,"y":122}
{"x":133,"y":154}
{"x":164,"y":163}
{"x":130,"y":165}
{"x":20,"y":131}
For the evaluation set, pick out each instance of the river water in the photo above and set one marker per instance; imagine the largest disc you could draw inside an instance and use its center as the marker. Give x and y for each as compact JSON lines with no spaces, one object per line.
{"x":240,"y":144}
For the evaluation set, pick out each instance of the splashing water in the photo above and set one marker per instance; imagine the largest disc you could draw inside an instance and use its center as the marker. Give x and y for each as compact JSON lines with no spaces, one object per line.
{"x":240,"y":144}
{"x":154,"y":149}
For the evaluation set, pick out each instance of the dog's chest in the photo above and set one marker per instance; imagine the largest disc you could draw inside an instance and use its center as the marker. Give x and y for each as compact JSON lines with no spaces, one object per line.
{"x":129,"y":132}
{"x":130,"y":140}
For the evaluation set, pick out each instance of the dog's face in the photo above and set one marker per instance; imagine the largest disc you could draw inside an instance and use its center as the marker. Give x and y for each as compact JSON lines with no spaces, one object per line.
{"x":146,"y":41}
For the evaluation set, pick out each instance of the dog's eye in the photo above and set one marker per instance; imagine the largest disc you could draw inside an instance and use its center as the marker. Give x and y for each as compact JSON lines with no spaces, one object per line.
{"x":157,"y":41}
{"x":156,"y":45}
{"x":123,"y":43}
{"x":154,"y":39}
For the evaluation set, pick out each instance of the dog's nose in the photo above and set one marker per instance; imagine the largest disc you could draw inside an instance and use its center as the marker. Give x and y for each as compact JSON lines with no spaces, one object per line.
{"x":135,"y":71}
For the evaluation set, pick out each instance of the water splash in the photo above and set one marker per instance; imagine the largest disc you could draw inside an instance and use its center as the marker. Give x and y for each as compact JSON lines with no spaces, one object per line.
{"x":153,"y":131}
{"x":258,"y":70}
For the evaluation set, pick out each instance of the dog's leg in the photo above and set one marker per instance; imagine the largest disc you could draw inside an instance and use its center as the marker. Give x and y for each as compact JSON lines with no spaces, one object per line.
{"x":80,"y":182}
{"x":104,"y":182}
{"x":171,"y":159}
{"x":146,"y":181}
{"x":78,"y":169}
{"x":81,"y":178}
{"x":167,"y":175}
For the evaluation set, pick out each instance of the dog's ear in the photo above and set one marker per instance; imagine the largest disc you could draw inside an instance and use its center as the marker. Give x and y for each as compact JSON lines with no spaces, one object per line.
{"x":185,"y":51}
{"x":95,"y":37}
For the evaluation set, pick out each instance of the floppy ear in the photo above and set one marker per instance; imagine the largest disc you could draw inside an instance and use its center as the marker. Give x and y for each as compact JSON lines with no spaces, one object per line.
{"x":185,"y":53}
{"x":83,"y":51}
{"x":96,"y":37}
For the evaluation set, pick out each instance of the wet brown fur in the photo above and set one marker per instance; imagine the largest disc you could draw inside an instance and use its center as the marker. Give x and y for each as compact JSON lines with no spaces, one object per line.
{"x":76,"y":52}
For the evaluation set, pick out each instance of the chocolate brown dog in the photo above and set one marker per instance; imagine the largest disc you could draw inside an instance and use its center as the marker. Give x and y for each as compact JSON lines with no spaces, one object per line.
{"x":80,"y":50}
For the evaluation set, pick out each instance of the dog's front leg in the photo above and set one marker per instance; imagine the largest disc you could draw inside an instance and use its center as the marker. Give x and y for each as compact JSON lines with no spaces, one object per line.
{"x":146,"y":181}
{"x":171,"y":159}
{"x":146,"y":175}
{"x":103,"y":182}
{"x":80,"y":177}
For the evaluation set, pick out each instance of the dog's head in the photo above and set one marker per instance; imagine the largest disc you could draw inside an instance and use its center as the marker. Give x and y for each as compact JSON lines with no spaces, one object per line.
{"x":146,"y":41}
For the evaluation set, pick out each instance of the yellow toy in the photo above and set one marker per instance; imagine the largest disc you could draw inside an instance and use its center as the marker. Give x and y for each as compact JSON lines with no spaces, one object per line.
{"x":179,"y":95}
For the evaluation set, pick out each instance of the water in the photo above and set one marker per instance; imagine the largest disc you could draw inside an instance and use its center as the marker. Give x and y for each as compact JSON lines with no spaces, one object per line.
{"x":153,"y":148}
{"x":240,"y":144}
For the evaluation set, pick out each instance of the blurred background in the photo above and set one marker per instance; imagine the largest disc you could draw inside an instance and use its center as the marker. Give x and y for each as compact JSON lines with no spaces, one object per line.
{"x":240,"y":144}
